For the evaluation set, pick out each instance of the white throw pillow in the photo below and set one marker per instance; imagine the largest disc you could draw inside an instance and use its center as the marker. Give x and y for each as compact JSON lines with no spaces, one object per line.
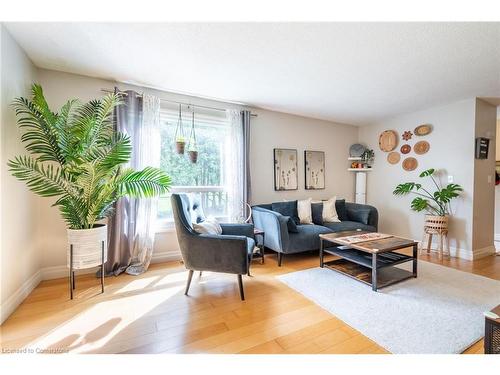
{"x":329,"y":211}
{"x":209,"y":226}
{"x":304,"y":209}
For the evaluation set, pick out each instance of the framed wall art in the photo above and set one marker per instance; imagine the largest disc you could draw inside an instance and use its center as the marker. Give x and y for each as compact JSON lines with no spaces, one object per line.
{"x":314,"y":162}
{"x":285,"y":169}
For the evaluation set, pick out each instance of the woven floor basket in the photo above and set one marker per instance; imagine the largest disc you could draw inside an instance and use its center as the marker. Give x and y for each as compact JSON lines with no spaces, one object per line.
{"x":436,"y":224}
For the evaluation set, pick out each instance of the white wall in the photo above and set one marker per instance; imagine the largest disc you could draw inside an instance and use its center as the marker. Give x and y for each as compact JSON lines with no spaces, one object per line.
{"x":20,"y":260}
{"x":271,"y":130}
{"x":452,"y":151}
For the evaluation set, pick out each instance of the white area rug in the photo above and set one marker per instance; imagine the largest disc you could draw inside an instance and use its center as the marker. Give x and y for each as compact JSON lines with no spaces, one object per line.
{"x":441,"y":311}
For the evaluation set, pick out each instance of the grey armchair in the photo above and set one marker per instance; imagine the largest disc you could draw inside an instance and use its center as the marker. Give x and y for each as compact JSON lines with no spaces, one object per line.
{"x":229,"y":252}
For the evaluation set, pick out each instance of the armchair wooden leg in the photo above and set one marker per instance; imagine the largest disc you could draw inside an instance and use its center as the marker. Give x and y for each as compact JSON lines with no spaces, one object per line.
{"x":240,"y":284}
{"x":190,"y":276}
{"x":280,"y":258}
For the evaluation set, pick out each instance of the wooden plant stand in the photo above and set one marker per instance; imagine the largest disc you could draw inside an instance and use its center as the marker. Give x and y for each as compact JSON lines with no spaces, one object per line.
{"x":436,"y":225}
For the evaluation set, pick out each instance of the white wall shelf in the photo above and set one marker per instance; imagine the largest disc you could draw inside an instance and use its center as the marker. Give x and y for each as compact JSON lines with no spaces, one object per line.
{"x":359,"y":169}
{"x":353,"y":158}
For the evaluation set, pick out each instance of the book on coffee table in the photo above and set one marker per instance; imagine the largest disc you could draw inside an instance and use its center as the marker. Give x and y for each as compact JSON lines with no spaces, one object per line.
{"x":357,"y":238}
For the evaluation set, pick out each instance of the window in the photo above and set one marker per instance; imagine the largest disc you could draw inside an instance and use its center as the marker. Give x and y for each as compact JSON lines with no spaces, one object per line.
{"x":207,"y":176}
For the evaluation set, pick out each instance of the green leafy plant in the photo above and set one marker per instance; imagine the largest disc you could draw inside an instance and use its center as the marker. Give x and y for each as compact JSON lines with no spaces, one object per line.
{"x":368,"y":156}
{"x":78,"y":157}
{"x":437,"y":203}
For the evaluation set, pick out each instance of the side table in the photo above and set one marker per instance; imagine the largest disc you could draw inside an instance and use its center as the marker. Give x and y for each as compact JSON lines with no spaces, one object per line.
{"x":260,"y":245}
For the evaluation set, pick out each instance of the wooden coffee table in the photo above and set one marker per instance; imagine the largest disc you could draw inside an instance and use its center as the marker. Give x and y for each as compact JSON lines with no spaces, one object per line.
{"x":371,"y":262}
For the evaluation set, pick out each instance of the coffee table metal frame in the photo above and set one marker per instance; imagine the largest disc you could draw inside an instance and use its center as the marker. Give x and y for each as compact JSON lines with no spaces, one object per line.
{"x":380,"y":259}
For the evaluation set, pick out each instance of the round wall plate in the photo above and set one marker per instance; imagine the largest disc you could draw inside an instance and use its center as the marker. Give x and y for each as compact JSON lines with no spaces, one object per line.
{"x":393,"y":157}
{"x":421,"y":147}
{"x":410,"y":164}
{"x":405,"y":149}
{"x":423,"y":130}
{"x":356,"y":150}
{"x":388,"y":140}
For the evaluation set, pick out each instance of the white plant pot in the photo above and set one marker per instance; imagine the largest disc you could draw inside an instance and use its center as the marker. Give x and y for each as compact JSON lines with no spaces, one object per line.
{"x":87,"y":246}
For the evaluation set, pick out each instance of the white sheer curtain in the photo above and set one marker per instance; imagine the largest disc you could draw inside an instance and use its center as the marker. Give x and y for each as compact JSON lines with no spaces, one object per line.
{"x":147,"y":151}
{"x":235,"y":167}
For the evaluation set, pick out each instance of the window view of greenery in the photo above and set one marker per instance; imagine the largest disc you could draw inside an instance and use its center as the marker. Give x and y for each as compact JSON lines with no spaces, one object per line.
{"x":186,"y":176}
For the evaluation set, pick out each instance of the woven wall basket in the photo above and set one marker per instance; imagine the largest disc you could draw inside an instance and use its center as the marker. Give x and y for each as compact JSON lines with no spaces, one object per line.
{"x":87,"y":246}
{"x":436,"y":224}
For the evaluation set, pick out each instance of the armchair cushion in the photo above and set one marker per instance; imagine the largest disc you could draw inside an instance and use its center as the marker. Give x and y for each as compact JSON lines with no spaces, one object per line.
{"x":209,"y":226}
{"x":245,"y":229}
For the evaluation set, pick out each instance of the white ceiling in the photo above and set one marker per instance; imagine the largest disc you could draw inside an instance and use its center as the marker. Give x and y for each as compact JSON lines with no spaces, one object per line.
{"x":353,"y":73}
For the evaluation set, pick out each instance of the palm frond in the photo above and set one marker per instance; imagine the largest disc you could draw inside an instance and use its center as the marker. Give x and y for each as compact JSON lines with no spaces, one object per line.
{"x":147,"y":183}
{"x":47,"y":181}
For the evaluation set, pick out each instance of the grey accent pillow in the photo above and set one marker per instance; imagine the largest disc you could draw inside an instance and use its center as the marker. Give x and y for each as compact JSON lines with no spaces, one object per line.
{"x":360,"y":215}
{"x":292,"y":227}
{"x":341,"y":210}
{"x":317,"y":213}
{"x":288,"y":208}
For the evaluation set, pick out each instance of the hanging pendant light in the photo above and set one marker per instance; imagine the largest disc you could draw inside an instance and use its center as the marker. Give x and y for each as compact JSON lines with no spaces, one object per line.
{"x":180,"y":140}
{"x":192,"y":146}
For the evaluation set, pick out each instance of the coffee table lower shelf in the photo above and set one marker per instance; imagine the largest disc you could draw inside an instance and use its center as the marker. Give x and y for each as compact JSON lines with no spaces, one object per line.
{"x":385,"y":276}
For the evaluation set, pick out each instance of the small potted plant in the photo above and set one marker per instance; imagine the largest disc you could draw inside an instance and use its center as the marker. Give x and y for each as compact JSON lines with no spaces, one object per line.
{"x":436,"y":204}
{"x":180,"y":144}
{"x":193,"y":151}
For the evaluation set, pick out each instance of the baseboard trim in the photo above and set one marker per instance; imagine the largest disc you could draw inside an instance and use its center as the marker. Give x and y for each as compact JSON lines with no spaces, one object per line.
{"x":57,"y":272}
{"x":13,"y":302}
{"x":497,"y":236}
{"x":484,"y":252}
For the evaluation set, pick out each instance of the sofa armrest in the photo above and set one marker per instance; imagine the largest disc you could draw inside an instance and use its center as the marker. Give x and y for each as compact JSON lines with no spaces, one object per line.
{"x":354,"y":209}
{"x":217,"y":253}
{"x":275,"y":227}
{"x":238,"y":229}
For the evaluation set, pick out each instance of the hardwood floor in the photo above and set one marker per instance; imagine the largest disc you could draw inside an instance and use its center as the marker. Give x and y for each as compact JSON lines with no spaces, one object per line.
{"x":150,"y":314}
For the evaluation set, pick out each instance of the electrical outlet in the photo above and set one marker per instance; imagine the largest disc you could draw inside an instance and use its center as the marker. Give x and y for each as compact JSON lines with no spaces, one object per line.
{"x":450,"y":179}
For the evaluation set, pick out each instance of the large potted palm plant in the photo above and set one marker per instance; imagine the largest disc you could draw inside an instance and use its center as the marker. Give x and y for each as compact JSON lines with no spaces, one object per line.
{"x":77,"y":157}
{"x":436,"y":204}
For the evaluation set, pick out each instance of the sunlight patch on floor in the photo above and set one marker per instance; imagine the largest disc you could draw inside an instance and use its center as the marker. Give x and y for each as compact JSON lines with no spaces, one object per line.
{"x":96,"y":326}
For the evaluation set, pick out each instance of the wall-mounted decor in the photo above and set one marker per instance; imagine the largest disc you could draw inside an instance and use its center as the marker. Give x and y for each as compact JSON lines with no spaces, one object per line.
{"x":405,"y":149}
{"x":423,"y":130}
{"x":410,"y":164}
{"x":482,"y":146}
{"x":285,"y":169}
{"x":421,"y":147}
{"x":388,"y":140}
{"x":393,"y":157}
{"x":314,"y":162}
{"x":407,"y":135}
{"x":356,"y":150}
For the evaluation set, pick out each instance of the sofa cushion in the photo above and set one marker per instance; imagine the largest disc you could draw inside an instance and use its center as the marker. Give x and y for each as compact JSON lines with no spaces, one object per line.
{"x":292,"y":227}
{"x":306,"y":238}
{"x":341,"y":210}
{"x":317,"y":213}
{"x":288,"y":208}
{"x":349,"y":225}
{"x":360,"y":215}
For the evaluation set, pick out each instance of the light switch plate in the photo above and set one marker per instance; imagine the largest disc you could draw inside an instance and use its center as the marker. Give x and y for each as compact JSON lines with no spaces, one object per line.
{"x":450,"y":179}
{"x":490,"y":179}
